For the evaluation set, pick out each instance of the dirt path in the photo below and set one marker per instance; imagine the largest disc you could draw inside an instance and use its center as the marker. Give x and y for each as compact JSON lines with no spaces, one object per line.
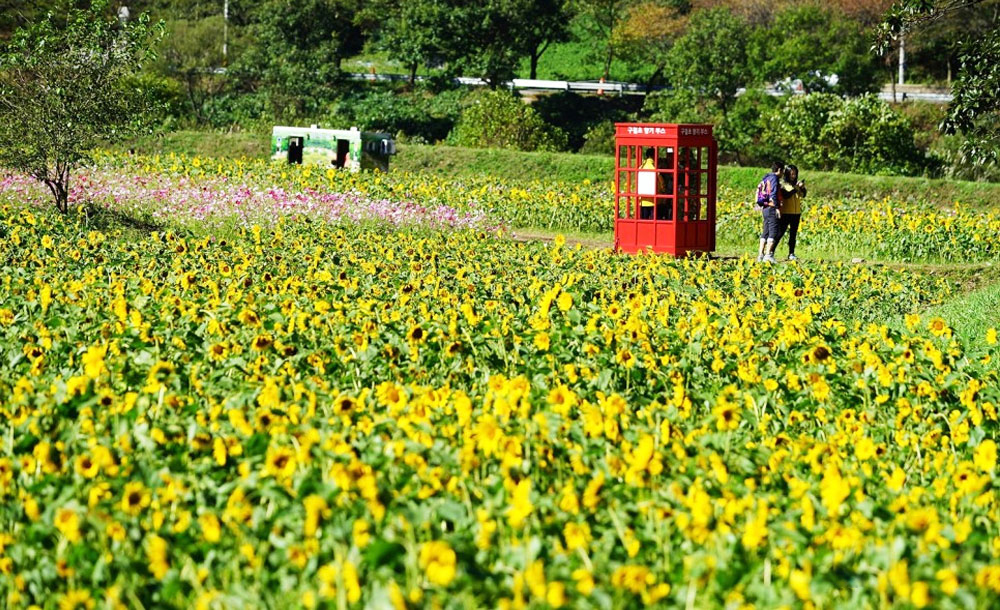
{"x":571,"y":240}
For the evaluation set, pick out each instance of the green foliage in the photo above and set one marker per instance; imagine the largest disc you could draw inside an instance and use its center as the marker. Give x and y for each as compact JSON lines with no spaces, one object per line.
{"x":710,"y":58}
{"x":573,"y":59}
{"x":599,"y":139}
{"x":739,"y":131}
{"x":678,"y":105}
{"x":167,"y":97}
{"x":295,"y":51}
{"x":599,"y":19}
{"x":190,"y":52}
{"x":70,"y":85}
{"x":545,"y":22}
{"x":810,"y":43}
{"x":796,"y":132}
{"x":497,"y":119}
{"x":867,"y":136}
{"x":932,"y":47}
{"x":975,"y":110}
{"x":417,"y":116}
{"x":862,"y":135}
{"x":576,"y":114}
{"x":16,"y":14}
{"x":413,"y":33}
{"x":487,"y":39}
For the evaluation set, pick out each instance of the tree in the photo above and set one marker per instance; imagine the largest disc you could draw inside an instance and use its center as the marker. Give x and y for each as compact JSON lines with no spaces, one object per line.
{"x":811,"y":44}
{"x":602,"y":18}
{"x":545,"y":22}
{"x":297,"y":49}
{"x":975,"y":108}
{"x":191,"y":54}
{"x":67,"y":86}
{"x":756,"y":13}
{"x":413,"y":33}
{"x":490,"y":40}
{"x":648,"y":32}
{"x":759,"y":13}
{"x":932,"y":50}
{"x":19,"y":13}
{"x":711,"y":58}
{"x":493,"y":36}
{"x":485,"y":38}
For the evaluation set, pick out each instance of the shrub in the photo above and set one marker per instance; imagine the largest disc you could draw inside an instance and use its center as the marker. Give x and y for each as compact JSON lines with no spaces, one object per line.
{"x":498,"y":119}
{"x":863,"y":135}
{"x":414,"y":116}
{"x":794,"y":131}
{"x":599,"y":139}
{"x":867,"y":136}
{"x":740,"y":133}
{"x":578,"y":114}
{"x":679,"y":106}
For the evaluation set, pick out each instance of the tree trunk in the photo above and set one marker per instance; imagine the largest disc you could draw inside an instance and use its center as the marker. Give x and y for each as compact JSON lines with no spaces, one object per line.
{"x":536,"y":54}
{"x":413,"y":74}
{"x":64,"y":197}
{"x":59,"y":187}
{"x":652,"y":79}
{"x":192,"y":99}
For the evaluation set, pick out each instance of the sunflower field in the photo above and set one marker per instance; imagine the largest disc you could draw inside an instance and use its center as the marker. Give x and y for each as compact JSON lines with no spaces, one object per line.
{"x":335,"y":391}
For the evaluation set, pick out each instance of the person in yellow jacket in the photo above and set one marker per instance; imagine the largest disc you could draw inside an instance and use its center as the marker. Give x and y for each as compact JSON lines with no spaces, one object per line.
{"x":647,"y":204}
{"x":793,"y":191}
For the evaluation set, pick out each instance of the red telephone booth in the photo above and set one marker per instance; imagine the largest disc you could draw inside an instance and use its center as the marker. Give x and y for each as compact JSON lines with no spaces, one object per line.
{"x":665,"y":188}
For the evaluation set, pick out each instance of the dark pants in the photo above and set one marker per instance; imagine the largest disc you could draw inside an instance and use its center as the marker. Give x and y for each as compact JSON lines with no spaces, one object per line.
{"x":790,"y":223}
{"x":646,"y":212}
{"x":770,"y":224}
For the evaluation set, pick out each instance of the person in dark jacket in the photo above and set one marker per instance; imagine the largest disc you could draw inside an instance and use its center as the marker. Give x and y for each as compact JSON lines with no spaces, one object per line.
{"x":769,"y":199}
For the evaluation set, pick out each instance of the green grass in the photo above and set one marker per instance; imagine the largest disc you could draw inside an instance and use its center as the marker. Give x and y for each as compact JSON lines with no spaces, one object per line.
{"x":569,"y":167}
{"x":573,"y":61}
{"x":226,"y":144}
{"x":508,"y":164}
{"x":972,"y":313}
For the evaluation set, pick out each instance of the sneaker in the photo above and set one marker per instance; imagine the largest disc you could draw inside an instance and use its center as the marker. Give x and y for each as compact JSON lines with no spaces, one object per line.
{"x":792,"y":257}
{"x":769,"y":259}
{"x":760,"y":258}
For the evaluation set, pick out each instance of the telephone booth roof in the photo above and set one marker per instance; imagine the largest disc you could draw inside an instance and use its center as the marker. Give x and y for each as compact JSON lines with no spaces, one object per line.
{"x":653,"y":133}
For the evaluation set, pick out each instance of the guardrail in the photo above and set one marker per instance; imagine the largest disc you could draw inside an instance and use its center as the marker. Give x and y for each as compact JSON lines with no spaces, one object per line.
{"x":621,"y":88}
{"x":614,"y":88}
